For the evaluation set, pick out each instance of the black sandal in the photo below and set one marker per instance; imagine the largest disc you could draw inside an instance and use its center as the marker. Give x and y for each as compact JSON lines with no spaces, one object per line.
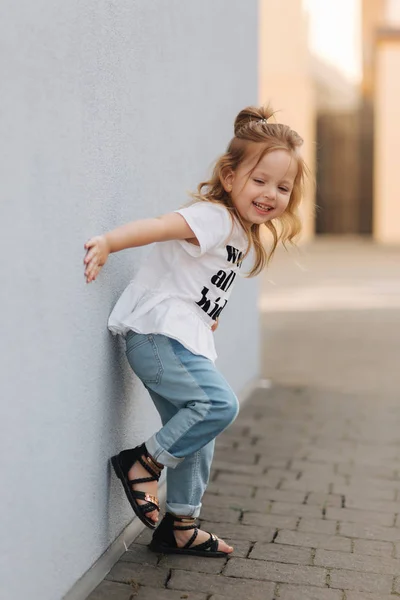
{"x":164,"y":541}
{"x":122,"y":463}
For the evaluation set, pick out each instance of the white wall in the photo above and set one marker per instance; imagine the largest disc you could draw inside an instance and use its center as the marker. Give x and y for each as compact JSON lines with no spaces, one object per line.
{"x":111,"y":110}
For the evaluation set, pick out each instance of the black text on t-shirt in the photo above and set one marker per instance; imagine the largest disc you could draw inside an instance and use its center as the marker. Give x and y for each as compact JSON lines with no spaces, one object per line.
{"x":222,"y":280}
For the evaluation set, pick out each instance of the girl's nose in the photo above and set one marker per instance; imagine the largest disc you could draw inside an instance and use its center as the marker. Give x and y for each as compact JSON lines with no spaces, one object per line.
{"x":269,"y":194}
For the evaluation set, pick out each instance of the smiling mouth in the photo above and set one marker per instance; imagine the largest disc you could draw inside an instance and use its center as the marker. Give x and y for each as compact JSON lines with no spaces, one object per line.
{"x":264,"y":207}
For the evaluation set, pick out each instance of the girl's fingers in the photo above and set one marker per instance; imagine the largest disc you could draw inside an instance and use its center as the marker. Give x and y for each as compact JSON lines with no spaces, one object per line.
{"x":92,"y":262}
{"x":92,"y":270}
{"x":92,"y":274}
{"x":90,"y":255}
{"x":90,"y":243}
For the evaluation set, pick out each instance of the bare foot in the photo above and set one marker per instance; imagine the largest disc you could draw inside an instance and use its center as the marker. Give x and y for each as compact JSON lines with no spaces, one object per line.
{"x":150,"y":487}
{"x":182,"y":537}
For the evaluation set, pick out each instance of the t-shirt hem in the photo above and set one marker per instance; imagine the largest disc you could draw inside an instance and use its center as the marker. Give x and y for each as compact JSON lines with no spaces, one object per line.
{"x":124,"y":332}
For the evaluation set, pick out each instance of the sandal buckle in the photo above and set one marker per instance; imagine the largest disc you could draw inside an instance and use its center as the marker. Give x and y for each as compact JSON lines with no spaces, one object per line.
{"x":153,"y":499}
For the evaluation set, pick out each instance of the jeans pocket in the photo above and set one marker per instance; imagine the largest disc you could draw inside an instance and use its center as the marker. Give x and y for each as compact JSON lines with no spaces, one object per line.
{"x":143,"y":357}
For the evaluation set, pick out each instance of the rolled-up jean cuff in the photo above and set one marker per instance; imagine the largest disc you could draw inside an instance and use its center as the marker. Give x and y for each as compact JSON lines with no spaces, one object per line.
{"x":161,"y":455}
{"x":183,"y":510}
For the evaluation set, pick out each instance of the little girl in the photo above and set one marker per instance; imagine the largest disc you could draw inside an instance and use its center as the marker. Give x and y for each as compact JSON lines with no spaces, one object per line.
{"x":169,"y":311}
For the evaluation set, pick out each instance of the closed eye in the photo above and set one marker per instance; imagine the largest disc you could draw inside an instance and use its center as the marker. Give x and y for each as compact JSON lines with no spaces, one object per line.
{"x":283,"y":189}
{"x":259,"y":181}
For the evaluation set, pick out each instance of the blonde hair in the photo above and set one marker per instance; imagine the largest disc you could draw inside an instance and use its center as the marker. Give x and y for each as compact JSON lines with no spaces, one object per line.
{"x":251,"y":127}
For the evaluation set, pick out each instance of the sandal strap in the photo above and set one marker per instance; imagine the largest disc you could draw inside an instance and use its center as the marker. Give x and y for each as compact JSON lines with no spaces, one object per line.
{"x":148,"y":497}
{"x":192,"y":539}
{"x":150,"y":466}
{"x":141,"y":480}
{"x":149,"y":507}
{"x":211,"y":544}
{"x":191,"y":523}
{"x":183,"y":519}
{"x":154,"y":464}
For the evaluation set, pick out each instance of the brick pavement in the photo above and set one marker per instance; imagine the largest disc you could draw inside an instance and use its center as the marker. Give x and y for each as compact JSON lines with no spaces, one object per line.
{"x":306,"y":483}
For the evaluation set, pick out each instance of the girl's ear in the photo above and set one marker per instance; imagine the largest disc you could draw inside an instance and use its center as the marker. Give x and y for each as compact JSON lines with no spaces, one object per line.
{"x":227,"y":177}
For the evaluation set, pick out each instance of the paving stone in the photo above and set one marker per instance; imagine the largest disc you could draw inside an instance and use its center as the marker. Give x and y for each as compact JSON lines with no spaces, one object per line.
{"x":139,"y":553}
{"x":278,"y":521}
{"x":356,"y":562}
{"x":234,"y":467}
{"x":279,"y":474}
{"x":133,"y":573}
{"x":380,"y":472}
{"x":313,"y":469}
{"x":371,"y":532}
{"x":270,"y":461}
{"x":317,"y":526}
{"x":361,"y":582}
{"x":274,"y":571}
{"x":281,"y":553}
{"x":294,"y":592}
{"x":360,"y":516}
{"x":235,"y":457}
{"x":296,"y":509}
{"x":365,"y":491}
{"x":281,"y":449}
{"x":146,"y":593}
{"x":108,"y":590}
{"x":280,"y":495}
{"x":314,"y":484}
{"x":314,"y":540}
{"x":230,"y":490}
{"x":192,"y":563}
{"x":373,"y":548}
{"x":396,"y":586}
{"x":307,"y":485}
{"x":380,"y":506}
{"x":366,"y":596}
{"x":240,"y":532}
{"x":220,"y":515}
{"x":219,"y":585}
{"x":144,"y":538}
{"x":250,"y":480}
{"x":324,"y":500}
{"x":241,"y":504}
{"x":371,"y":483}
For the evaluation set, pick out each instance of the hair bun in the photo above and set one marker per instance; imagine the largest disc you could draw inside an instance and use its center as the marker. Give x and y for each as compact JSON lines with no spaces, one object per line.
{"x":252,"y":114}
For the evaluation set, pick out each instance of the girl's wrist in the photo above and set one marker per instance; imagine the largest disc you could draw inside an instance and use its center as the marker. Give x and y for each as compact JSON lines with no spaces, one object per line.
{"x":108,"y":243}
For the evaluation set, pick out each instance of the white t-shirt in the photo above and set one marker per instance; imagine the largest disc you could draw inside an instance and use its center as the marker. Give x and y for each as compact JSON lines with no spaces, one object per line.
{"x":181,"y":288}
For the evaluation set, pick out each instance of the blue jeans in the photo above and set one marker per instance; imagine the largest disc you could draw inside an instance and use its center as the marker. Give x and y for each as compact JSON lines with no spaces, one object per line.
{"x":195,"y":404}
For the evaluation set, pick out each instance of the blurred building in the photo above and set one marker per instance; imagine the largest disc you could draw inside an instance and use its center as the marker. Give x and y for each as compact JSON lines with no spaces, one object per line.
{"x":340,"y":206}
{"x":358,"y":133}
{"x":381,"y":91}
{"x":285,"y":80}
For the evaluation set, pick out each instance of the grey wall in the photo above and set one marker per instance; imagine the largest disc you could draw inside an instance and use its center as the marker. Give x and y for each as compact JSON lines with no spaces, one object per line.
{"x":111,"y":110}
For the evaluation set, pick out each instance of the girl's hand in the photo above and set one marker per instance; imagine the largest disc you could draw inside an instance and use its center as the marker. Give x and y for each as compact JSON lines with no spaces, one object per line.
{"x":214,"y":327}
{"x":96,"y":256}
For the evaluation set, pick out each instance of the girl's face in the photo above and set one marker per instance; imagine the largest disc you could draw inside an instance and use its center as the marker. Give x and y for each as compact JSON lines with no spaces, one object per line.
{"x":265,"y":193}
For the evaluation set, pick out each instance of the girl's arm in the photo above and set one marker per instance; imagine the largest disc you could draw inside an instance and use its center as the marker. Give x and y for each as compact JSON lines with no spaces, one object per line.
{"x":137,"y":233}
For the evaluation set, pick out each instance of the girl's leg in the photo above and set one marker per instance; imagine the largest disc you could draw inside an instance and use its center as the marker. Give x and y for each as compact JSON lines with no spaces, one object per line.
{"x":186,"y":483}
{"x":206,"y":404}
